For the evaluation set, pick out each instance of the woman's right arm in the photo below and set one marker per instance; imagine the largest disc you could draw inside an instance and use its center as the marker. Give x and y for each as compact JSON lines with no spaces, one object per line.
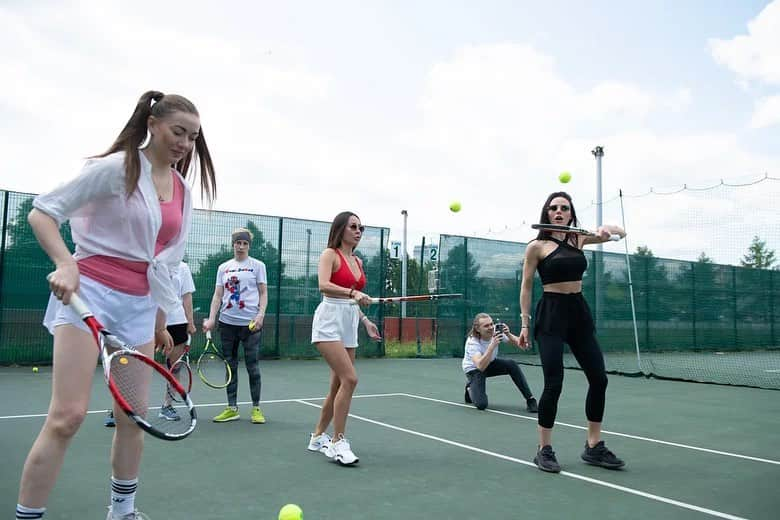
{"x":526,"y":291}
{"x":64,"y":281}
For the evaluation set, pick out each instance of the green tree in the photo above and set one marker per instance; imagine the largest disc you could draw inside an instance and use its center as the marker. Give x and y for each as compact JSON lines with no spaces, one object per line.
{"x":25,"y":264}
{"x":261,"y":249}
{"x":758,"y":256}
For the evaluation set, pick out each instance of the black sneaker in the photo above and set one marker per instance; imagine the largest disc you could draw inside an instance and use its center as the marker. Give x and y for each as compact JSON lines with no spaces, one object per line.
{"x":533,"y":407}
{"x":599,"y":455}
{"x":545,"y":460}
{"x":466,"y":396}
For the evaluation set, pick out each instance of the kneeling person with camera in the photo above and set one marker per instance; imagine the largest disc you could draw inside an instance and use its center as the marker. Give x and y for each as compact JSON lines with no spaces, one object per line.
{"x":481,"y":361}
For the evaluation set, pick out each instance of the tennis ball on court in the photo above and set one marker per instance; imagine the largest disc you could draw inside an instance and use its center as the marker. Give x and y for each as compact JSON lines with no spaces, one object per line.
{"x":35,"y":370}
{"x":455,"y":206}
{"x":564,"y":177}
{"x":291,"y":512}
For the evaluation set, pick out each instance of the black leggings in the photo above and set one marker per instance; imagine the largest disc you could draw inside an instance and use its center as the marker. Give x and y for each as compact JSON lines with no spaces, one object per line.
{"x":497,"y":367}
{"x":566,"y":318}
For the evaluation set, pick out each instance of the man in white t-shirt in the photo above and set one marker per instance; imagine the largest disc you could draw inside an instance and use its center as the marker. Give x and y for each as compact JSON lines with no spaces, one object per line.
{"x":240,"y":298}
{"x":480,"y":361}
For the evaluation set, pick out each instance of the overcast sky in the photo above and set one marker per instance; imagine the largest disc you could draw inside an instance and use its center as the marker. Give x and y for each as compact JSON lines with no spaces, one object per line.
{"x":311,"y":108}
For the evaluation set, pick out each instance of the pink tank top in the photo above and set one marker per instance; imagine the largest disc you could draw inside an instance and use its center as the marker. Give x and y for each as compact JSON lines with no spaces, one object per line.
{"x":129,"y":276}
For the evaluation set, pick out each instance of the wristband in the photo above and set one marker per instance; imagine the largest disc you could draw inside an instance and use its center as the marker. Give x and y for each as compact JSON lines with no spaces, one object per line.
{"x":350,"y":292}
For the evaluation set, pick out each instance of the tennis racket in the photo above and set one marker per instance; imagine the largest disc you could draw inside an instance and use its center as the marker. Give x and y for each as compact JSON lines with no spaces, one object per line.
{"x":130,"y":376}
{"x":213,"y":370}
{"x":568,"y":229}
{"x":183,"y":373}
{"x":420,"y":298}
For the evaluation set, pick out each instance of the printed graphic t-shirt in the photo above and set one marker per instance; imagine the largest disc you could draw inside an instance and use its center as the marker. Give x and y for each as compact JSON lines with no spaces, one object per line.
{"x":240,"y":299}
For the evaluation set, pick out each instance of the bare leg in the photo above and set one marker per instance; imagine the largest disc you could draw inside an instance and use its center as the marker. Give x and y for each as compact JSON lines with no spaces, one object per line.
{"x":75,"y":358}
{"x":326,"y":415}
{"x":128,"y":441}
{"x":341,"y":361}
{"x":545,"y":436}
{"x":594,"y":433}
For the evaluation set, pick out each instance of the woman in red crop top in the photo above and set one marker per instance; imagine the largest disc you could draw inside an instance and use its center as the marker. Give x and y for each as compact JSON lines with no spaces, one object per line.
{"x":562,"y":315}
{"x":335,"y":332}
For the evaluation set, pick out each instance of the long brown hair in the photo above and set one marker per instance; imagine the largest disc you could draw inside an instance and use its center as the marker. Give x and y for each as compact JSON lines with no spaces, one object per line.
{"x":337,"y":228}
{"x":544,"y":218}
{"x":134,"y":133}
{"x":474,"y":332}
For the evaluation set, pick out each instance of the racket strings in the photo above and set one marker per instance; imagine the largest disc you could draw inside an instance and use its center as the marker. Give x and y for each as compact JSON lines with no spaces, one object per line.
{"x":214,"y":370}
{"x":181,"y":371}
{"x":136,"y":381}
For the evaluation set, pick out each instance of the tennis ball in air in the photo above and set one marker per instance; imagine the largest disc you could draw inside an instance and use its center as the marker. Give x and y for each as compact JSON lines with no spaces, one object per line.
{"x":455,"y":206}
{"x":35,"y":370}
{"x":564,"y":177}
{"x":291,"y":512}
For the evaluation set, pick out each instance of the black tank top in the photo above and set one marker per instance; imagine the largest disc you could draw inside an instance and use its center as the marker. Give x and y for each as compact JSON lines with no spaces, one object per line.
{"x":565,"y":264}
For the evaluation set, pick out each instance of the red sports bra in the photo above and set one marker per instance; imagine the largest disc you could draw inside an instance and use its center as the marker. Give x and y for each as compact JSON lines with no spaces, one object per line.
{"x":344,"y":277}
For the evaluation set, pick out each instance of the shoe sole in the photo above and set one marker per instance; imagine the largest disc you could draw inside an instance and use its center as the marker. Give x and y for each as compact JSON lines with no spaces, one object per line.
{"x":546,"y":470}
{"x":603,"y":464}
{"x":161,"y":416}
{"x":258,"y":422}
{"x":342,"y":463}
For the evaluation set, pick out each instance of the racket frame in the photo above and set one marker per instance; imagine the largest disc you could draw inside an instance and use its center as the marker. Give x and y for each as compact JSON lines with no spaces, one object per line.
{"x":416,"y":298}
{"x":211,"y":349}
{"x":105,"y":340}
{"x":559,"y":228}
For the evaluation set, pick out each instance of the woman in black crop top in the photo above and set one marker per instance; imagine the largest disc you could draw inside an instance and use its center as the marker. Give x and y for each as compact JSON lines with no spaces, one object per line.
{"x":563,"y":316}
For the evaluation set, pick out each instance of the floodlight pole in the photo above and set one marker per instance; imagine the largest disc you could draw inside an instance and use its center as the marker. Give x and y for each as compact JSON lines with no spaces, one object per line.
{"x":403,"y":264}
{"x":598,"y":152}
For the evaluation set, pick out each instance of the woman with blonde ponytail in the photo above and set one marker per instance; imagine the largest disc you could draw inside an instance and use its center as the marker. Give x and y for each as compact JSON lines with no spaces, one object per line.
{"x":129,"y":211}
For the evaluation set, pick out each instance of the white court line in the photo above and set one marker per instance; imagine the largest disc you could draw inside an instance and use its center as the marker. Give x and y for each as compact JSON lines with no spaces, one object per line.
{"x":209,"y":405}
{"x":618,"y":434}
{"x":773,"y":371}
{"x":628,"y":490}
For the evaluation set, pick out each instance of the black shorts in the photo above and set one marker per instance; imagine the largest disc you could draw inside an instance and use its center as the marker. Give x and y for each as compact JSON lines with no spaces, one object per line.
{"x":178,"y":333}
{"x":563,"y":315}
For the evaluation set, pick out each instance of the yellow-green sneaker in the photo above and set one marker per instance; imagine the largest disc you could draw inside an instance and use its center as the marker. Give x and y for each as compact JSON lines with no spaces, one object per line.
{"x":257,"y":416}
{"x":230,"y":413}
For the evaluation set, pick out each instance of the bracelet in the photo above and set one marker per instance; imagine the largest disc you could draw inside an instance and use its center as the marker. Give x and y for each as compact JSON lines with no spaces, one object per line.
{"x":350,"y":292}
{"x":524,"y":327}
{"x":364,"y":318}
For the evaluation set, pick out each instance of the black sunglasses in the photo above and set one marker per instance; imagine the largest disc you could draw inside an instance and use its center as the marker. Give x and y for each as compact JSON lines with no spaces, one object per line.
{"x":563,"y":207}
{"x":356,"y":227}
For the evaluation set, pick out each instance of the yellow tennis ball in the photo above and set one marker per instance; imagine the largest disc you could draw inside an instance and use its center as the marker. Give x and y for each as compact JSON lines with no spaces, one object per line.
{"x":35,"y":370}
{"x":123,"y":360}
{"x":455,"y":206}
{"x":291,"y":512}
{"x":564,"y":177}
{"x":252,"y":326}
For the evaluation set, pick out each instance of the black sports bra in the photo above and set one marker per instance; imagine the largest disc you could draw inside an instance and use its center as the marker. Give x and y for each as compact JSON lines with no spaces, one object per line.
{"x":565,"y":264}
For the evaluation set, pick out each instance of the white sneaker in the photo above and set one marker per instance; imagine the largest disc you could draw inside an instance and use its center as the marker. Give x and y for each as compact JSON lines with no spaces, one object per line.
{"x":319,"y":442}
{"x":341,"y":452}
{"x":135,"y":515}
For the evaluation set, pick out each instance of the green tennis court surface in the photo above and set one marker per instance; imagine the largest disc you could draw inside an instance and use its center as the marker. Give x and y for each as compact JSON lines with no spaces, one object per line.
{"x":692,"y":450}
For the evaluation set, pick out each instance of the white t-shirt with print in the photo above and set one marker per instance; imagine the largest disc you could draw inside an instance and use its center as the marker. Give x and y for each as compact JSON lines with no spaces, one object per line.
{"x":182,"y":281}
{"x":240,"y":298}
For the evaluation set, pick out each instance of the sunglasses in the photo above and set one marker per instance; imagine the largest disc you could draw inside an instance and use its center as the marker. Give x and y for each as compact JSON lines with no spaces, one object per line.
{"x":355,"y":227}
{"x":563,"y":207}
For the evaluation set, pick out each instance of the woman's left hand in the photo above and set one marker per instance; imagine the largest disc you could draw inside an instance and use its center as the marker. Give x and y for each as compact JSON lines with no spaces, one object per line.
{"x":372,"y":330}
{"x":163,"y":341}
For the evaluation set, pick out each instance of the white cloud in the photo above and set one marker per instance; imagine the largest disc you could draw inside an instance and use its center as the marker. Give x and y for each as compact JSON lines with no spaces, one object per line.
{"x":766,"y":112}
{"x":756,"y":55}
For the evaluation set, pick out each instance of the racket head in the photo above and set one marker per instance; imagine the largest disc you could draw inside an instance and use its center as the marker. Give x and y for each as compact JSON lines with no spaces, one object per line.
{"x":212,"y":368}
{"x":133,"y":377}
{"x":183,"y":373}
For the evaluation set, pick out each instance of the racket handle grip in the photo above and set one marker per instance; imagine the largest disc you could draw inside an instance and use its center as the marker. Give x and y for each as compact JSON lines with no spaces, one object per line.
{"x":75,"y":302}
{"x":208,"y":334}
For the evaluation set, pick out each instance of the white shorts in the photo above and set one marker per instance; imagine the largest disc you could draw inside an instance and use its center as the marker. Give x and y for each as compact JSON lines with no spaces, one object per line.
{"x":130,"y":318}
{"x":336,"y":319}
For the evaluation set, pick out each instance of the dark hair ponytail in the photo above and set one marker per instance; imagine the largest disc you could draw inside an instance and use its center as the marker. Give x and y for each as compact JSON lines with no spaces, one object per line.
{"x":134,"y":133}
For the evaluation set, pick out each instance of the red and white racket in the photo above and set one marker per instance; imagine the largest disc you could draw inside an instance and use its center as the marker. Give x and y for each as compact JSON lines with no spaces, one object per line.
{"x":131,"y":376}
{"x":568,"y":229}
{"x":419,"y":298}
